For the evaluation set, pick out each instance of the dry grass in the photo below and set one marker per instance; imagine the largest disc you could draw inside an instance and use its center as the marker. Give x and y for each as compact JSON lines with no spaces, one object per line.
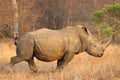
{"x":82,"y":67}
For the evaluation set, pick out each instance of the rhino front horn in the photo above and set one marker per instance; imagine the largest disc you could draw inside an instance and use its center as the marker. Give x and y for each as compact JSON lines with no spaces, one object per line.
{"x":106,"y":43}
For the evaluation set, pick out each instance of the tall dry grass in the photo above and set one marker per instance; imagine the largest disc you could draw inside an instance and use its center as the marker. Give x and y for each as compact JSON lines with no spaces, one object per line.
{"x":82,"y":67}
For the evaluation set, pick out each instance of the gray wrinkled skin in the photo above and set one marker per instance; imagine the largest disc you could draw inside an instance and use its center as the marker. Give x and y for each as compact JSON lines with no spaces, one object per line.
{"x":50,"y":45}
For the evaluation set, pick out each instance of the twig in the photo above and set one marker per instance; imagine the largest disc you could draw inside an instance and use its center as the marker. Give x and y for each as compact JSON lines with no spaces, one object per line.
{"x":112,"y":19}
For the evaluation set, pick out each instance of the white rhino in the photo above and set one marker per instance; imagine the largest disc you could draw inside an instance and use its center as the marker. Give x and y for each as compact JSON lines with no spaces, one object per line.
{"x":61,"y":45}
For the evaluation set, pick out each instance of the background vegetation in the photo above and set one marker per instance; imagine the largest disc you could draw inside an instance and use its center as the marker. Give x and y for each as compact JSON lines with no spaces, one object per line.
{"x":55,"y":14}
{"x":101,"y":17}
{"x":110,"y":11}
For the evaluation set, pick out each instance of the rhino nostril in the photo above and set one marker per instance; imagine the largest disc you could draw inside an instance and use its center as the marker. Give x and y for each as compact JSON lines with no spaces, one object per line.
{"x":101,"y":54}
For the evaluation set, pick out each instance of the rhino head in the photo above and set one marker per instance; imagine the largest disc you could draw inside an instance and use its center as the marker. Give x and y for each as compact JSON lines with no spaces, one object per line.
{"x":96,"y":49}
{"x":90,"y":45}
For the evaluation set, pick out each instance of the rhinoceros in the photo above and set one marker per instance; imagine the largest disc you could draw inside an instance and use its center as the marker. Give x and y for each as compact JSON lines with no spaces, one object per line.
{"x":61,"y":45}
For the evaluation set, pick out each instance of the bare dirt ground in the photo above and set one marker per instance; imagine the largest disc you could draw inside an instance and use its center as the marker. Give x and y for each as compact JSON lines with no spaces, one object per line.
{"x":82,"y":67}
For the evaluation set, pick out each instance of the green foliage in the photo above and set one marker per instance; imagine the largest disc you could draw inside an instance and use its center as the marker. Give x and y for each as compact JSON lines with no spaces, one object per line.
{"x":97,"y":16}
{"x":116,"y":8}
{"x":106,"y":29}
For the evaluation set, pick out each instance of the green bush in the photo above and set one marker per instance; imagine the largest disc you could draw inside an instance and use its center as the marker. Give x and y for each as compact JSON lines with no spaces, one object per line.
{"x":106,"y":30}
{"x":97,"y":16}
{"x":116,"y":8}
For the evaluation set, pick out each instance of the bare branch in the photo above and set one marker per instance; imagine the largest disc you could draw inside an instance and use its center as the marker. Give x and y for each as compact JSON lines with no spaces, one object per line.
{"x":15,"y":18}
{"x":114,"y":19}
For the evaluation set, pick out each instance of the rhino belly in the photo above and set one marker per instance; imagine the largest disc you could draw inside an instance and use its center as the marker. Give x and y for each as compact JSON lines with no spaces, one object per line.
{"x":49,"y":48}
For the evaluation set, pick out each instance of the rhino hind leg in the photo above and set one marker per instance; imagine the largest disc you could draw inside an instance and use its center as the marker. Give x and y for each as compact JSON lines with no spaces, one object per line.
{"x":21,"y":57}
{"x":32,"y":65}
{"x":61,"y":63}
{"x":15,"y":60}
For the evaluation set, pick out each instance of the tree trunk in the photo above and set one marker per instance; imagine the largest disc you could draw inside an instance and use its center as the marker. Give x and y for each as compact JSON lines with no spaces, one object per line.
{"x":15,"y":34}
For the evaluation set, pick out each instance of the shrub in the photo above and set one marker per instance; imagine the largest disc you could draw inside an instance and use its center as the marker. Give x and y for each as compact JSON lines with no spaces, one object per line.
{"x":112,"y":12}
{"x":106,"y":30}
{"x":97,"y":16}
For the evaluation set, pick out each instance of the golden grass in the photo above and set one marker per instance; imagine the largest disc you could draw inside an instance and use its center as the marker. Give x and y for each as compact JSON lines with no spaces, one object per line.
{"x":82,"y":67}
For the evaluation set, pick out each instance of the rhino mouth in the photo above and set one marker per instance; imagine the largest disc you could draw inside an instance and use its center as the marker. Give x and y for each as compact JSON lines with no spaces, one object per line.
{"x":99,"y":55}
{"x":95,"y":54}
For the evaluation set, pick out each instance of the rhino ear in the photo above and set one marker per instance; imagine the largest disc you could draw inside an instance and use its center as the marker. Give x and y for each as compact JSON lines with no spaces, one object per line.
{"x":85,"y":29}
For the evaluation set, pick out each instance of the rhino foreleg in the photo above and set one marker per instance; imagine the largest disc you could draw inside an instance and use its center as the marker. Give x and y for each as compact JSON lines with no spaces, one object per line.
{"x":61,"y":63}
{"x":32,"y":65}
